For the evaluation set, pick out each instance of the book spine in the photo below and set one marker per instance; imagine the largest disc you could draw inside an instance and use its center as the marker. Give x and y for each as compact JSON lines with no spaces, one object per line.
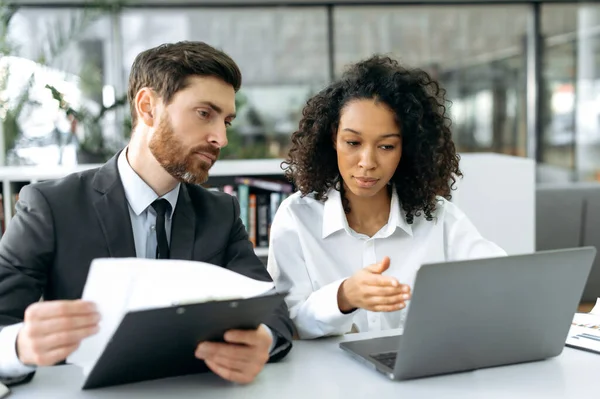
{"x":263,"y":219}
{"x":252,"y":219}
{"x":265,"y":184}
{"x":243,"y":193}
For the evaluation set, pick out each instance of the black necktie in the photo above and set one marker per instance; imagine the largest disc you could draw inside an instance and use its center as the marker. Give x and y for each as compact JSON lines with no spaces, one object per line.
{"x":161,"y":206}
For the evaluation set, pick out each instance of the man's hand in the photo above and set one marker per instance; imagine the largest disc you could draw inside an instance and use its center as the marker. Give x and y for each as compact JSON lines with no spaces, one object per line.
{"x":241,"y":357}
{"x":53,"y":330}
{"x":368,"y":289}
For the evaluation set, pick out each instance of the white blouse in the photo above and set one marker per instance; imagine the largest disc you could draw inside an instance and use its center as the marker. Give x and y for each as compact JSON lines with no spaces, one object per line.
{"x":312,"y":250}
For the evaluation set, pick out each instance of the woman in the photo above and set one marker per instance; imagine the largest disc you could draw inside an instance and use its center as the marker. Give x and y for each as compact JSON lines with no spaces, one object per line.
{"x":374,"y":163}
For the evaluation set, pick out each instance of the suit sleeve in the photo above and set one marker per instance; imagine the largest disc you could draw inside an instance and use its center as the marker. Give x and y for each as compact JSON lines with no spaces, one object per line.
{"x":242,"y":259}
{"x":26,"y":251}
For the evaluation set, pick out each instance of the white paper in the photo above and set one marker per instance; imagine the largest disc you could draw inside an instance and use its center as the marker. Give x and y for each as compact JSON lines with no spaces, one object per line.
{"x":4,"y":391}
{"x":596,"y":309}
{"x":585,"y":331}
{"x":119,"y":285}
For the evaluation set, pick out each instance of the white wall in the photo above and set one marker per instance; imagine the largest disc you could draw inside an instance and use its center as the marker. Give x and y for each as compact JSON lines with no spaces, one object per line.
{"x":497,"y":193}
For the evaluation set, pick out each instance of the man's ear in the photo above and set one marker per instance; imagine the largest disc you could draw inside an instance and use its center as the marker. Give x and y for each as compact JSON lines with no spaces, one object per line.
{"x":145,"y":106}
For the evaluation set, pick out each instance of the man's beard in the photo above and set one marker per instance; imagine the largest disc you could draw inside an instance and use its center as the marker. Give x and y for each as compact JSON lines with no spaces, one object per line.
{"x":184,"y":165}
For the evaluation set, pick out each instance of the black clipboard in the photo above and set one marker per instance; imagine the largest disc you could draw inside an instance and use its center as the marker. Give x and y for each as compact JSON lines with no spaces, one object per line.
{"x":160,"y":343}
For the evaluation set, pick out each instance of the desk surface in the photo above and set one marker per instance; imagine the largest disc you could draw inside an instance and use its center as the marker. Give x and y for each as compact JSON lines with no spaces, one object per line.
{"x":319,"y":369}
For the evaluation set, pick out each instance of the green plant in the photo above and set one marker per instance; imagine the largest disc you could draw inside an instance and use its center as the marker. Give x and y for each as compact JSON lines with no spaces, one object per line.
{"x":8,"y":114}
{"x":93,"y":141}
{"x":62,"y":34}
{"x":236,"y":147}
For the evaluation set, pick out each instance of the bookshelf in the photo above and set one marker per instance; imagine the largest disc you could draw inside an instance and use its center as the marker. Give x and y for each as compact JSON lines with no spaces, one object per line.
{"x":502,"y":183}
{"x":223,"y":173}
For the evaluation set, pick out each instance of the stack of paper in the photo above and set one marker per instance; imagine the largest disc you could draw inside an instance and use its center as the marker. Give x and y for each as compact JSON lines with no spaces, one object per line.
{"x":119,"y":285}
{"x":585,"y":330}
{"x":596,"y":309}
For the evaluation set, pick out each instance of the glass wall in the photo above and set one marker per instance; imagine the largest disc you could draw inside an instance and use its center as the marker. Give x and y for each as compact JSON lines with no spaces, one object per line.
{"x":54,"y":53}
{"x":478,"y":53}
{"x":570,"y":111}
{"x":282,"y":53}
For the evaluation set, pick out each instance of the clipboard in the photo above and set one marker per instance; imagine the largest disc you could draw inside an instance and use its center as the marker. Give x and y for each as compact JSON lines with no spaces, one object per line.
{"x":160,"y":343}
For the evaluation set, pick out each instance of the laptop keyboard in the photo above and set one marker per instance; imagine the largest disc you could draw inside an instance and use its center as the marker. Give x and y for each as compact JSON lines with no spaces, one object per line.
{"x":386,"y":358}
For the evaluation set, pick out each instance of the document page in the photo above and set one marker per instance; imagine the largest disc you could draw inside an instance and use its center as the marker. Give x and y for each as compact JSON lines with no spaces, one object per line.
{"x":596,"y":309}
{"x":119,"y":285}
{"x":585,"y":330}
{"x":4,"y":391}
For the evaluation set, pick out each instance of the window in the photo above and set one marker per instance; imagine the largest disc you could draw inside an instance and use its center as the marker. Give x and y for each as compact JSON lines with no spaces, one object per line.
{"x":69,"y":49}
{"x":570,"y":145}
{"x":282,"y":53}
{"x":476,"y":52}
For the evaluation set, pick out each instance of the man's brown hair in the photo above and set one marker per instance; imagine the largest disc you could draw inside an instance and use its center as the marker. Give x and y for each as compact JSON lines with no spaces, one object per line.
{"x":166,"y":69}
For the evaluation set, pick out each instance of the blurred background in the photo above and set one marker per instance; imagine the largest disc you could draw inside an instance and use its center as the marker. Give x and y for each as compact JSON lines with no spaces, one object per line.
{"x":523,"y":78}
{"x":522,"y":81}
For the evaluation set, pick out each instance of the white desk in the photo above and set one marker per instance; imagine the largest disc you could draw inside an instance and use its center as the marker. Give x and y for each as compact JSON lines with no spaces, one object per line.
{"x":319,"y":369}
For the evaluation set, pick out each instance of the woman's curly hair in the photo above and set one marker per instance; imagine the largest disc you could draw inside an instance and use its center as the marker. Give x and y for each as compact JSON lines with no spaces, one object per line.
{"x":429,"y":165}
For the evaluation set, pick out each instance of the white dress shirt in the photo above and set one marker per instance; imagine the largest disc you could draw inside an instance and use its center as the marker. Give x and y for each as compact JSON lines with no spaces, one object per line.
{"x":313,"y":250}
{"x":143,"y":216}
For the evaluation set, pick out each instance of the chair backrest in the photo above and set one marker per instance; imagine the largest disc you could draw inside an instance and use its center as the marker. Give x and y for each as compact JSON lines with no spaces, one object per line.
{"x":568,"y":215}
{"x":591,"y":236}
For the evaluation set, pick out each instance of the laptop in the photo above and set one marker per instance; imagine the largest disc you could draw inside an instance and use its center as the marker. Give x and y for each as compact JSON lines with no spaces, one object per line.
{"x":468,"y":315}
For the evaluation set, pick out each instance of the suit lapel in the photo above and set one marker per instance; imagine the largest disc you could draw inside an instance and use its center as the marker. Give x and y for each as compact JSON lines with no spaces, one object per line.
{"x":111,"y":209}
{"x":183,"y":228}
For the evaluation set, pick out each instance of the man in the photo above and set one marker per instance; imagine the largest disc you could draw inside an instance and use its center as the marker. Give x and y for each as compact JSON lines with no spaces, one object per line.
{"x":145,"y":202}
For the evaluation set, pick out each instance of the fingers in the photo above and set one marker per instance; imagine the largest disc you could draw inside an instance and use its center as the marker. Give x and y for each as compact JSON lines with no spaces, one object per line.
{"x":387,"y":308}
{"x":380,"y":267}
{"x":52,"y":357}
{"x":48,"y":349}
{"x":234,"y":375}
{"x":384,"y":264}
{"x":210,"y":350}
{"x":373,"y":290}
{"x":386,"y":300}
{"x":46,"y":326}
{"x":233,"y":362}
{"x":385,"y":281}
{"x":53,"y":330}
{"x":381,"y":281}
{"x":64,"y":338}
{"x":258,"y":337}
{"x":54,"y":309}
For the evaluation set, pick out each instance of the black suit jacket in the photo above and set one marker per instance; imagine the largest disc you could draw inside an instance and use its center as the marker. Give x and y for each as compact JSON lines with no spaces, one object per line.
{"x":60,"y":226}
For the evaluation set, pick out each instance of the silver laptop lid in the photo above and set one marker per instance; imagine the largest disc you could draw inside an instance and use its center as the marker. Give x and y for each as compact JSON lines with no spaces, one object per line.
{"x":488,"y":312}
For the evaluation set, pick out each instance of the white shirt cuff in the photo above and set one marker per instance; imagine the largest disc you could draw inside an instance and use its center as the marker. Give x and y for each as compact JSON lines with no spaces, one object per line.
{"x":10,"y":365}
{"x":320,"y":315}
{"x":273,"y":338}
{"x":328,"y":310}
